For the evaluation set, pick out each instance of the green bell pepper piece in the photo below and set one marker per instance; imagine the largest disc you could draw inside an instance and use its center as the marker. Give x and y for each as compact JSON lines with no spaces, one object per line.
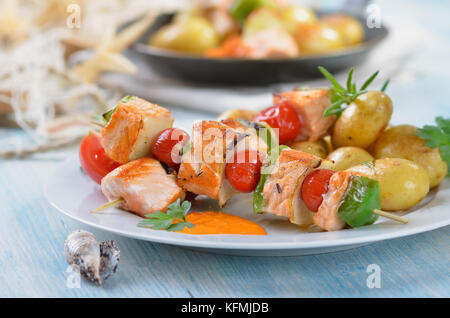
{"x":273,"y":152}
{"x":240,"y":9}
{"x":362,"y":197}
{"x":258,"y":199}
{"x":107,"y":116}
{"x":271,"y":140}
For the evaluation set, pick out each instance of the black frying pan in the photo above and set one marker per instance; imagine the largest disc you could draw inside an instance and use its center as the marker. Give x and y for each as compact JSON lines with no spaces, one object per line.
{"x":252,"y":72}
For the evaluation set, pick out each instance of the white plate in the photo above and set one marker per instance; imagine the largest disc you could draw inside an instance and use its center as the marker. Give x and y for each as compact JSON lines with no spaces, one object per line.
{"x":74,"y":194}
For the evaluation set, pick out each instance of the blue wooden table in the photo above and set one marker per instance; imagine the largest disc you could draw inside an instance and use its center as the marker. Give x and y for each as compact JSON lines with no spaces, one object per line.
{"x":32,"y":233}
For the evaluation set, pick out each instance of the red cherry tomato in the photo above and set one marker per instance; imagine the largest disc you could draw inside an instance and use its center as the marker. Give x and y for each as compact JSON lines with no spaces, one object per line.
{"x":168,"y":144}
{"x":245,"y":170}
{"x":93,"y":158}
{"x":284,"y":117}
{"x":314,"y":187}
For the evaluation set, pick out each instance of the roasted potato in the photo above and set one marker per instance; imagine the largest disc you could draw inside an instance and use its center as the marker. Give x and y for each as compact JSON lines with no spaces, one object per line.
{"x":294,"y":15}
{"x":238,"y":114}
{"x":348,"y":27}
{"x":318,"y":148}
{"x":317,"y":38}
{"x":347,"y":157}
{"x":188,"y":33}
{"x":260,"y":20}
{"x":363,"y":121}
{"x":403,"y":183}
{"x":401,"y":142}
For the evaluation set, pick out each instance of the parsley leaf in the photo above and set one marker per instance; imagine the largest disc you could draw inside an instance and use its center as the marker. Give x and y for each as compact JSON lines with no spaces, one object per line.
{"x":173,"y":220}
{"x":342,"y":97}
{"x":438,"y":137}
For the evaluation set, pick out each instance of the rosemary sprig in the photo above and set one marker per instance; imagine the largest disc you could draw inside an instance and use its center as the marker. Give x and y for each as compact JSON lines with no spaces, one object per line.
{"x":344,"y":96}
{"x":176,"y":212}
{"x":385,"y":85}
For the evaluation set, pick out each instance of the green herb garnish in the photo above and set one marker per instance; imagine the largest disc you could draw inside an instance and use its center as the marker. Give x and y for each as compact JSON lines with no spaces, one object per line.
{"x":369,"y":164}
{"x":342,"y":97}
{"x":176,"y":212}
{"x":385,"y":85}
{"x":438,"y":136}
{"x":240,"y":9}
{"x":107,"y":116}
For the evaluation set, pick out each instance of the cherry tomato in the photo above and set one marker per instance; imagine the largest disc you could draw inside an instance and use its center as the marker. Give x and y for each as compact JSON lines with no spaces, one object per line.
{"x":168,"y":144}
{"x":93,"y":158}
{"x":283,"y":118}
{"x":245,"y":170}
{"x":314,"y":187}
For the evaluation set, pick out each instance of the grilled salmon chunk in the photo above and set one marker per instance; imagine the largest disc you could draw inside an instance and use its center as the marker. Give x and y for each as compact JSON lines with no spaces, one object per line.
{"x":132,"y":128}
{"x":282,"y":189}
{"x":271,"y":43}
{"x":310,"y":106}
{"x":144,"y":185}
{"x":202,"y":169}
{"x":327,"y":216}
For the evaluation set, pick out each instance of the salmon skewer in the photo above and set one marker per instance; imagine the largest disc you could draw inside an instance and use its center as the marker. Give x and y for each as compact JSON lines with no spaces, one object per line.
{"x":202,"y":169}
{"x":327,"y":216}
{"x":143,"y":186}
{"x":310,"y":106}
{"x":282,"y":189}
{"x":283,"y":192}
{"x":132,"y":128}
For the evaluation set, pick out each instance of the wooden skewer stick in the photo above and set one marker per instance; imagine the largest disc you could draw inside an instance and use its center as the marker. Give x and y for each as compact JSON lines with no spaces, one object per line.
{"x":96,"y":123}
{"x":376,"y":211}
{"x":391,"y":216}
{"x":107,"y":205}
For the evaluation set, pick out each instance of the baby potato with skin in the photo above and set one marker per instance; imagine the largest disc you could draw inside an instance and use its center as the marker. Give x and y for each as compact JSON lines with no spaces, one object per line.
{"x":401,"y":142}
{"x":363,"y":120}
{"x":318,"y":148}
{"x":317,"y":38}
{"x":403,"y":183}
{"x":351,"y":30}
{"x":294,"y":15}
{"x":260,"y":20}
{"x":347,"y":157}
{"x":188,"y":33}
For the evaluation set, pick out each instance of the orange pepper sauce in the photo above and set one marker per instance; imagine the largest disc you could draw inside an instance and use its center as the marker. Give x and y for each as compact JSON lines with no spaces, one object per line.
{"x":220,"y":223}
